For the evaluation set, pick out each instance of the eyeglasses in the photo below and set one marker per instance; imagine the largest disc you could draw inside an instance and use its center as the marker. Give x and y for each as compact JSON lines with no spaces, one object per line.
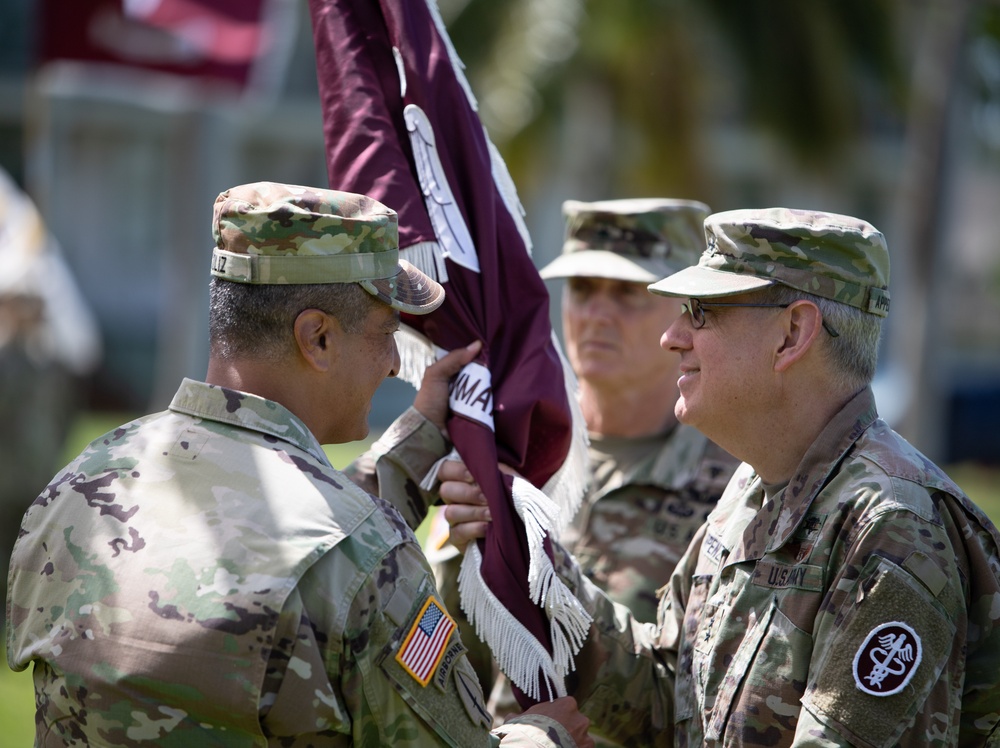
{"x":696,"y":309}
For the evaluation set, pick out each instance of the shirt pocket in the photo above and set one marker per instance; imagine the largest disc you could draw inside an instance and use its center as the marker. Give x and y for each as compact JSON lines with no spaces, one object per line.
{"x":697,"y":625}
{"x":763,"y":683}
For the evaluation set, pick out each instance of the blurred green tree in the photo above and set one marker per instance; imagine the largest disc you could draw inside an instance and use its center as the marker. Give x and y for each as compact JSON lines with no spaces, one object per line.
{"x":648,"y":77}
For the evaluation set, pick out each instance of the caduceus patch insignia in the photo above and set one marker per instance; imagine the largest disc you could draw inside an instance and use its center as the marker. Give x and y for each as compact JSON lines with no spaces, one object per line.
{"x":887,"y":659}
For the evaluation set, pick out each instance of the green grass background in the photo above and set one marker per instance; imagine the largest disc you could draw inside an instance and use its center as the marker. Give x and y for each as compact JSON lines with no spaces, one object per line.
{"x":16,"y":694}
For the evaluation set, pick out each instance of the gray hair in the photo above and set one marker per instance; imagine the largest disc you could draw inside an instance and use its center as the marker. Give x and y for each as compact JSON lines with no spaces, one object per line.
{"x":854,"y":352}
{"x":251,"y":320}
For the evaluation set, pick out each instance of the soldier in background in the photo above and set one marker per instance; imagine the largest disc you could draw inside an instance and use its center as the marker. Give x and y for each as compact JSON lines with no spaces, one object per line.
{"x":49,"y":342}
{"x":652,"y":480}
{"x":204,"y":576}
{"x":844,"y":592}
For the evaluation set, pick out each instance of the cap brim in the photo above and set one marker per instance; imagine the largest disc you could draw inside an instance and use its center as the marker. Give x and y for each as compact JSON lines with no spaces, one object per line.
{"x":705,"y":283}
{"x":596,"y":263}
{"x":410,"y":290}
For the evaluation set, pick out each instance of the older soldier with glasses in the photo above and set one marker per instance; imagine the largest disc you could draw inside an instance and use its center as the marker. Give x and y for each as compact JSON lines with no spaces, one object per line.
{"x":844,"y":592}
{"x":652,"y":481}
{"x":696,"y":309}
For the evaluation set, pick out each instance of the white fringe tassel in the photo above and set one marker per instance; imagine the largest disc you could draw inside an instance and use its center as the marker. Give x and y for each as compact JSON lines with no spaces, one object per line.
{"x":518,"y":653}
{"x":456,"y":61}
{"x":569,"y":620}
{"x":428,"y":257}
{"x":508,"y":192}
{"x":568,"y":484}
{"x":429,"y":481}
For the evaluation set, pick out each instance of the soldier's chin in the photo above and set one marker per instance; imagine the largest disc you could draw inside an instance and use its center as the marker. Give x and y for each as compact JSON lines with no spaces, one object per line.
{"x":348,"y":435}
{"x":363,"y":430}
{"x":681,"y":411}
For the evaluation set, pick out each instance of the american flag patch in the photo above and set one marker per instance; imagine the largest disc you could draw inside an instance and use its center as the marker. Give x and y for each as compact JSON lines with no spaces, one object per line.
{"x":425,"y":643}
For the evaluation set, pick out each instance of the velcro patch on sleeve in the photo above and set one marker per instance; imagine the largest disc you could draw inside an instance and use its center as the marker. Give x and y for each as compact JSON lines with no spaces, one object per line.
{"x":879,"y":667}
{"x":425,"y":643}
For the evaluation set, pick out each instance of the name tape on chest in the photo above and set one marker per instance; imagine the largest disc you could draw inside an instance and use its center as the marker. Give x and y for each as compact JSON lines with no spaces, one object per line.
{"x":426,"y":642}
{"x":713,"y":548}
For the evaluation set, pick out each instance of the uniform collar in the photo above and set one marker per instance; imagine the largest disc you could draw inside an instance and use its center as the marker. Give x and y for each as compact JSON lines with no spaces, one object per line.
{"x":820,"y":462}
{"x":671,"y":462}
{"x":245,"y":410}
{"x":749,"y":524}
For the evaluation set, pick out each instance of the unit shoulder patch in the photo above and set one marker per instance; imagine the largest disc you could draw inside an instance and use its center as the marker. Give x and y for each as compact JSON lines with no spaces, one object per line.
{"x":877,"y":665}
{"x":887,"y":659}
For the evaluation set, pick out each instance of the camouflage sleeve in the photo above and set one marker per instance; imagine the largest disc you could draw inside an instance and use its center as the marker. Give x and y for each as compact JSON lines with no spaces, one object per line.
{"x":395,"y":465}
{"x":287,"y":688}
{"x":397,"y":670}
{"x":910,"y":625}
{"x":533,"y":731}
{"x":622,"y":681}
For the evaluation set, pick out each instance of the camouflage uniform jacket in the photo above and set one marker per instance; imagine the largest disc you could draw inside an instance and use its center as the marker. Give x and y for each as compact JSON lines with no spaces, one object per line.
{"x":645,"y":501}
{"x":859,"y":606}
{"x":203,"y":576}
{"x":646,"y":498}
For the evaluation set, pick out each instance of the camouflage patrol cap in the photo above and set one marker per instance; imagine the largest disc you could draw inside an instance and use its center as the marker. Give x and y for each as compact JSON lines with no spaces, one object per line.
{"x":638,"y":240}
{"x":825,"y":254}
{"x":279,"y":233}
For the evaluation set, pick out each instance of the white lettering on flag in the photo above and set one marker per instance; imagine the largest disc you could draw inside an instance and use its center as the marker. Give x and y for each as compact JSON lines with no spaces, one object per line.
{"x":471,"y":394}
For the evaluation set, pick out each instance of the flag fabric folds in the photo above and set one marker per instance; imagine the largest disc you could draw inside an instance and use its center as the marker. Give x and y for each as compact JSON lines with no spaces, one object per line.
{"x":401,"y":126}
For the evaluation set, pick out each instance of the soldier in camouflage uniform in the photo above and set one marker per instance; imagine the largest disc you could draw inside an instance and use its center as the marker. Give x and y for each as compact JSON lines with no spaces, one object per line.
{"x":204,"y":576}
{"x":652,"y":481}
{"x":845,"y":592}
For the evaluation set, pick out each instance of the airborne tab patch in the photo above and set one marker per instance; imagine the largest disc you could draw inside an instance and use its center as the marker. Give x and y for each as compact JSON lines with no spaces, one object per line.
{"x":425,"y":643}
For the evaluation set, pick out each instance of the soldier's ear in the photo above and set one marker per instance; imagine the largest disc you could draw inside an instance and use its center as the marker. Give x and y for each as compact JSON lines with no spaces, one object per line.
{"x":317,"y":337}
{"x":802,"y":322}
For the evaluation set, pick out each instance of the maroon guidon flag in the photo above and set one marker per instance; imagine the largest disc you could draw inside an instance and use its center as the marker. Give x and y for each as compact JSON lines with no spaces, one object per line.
{"x":401,"y":126}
